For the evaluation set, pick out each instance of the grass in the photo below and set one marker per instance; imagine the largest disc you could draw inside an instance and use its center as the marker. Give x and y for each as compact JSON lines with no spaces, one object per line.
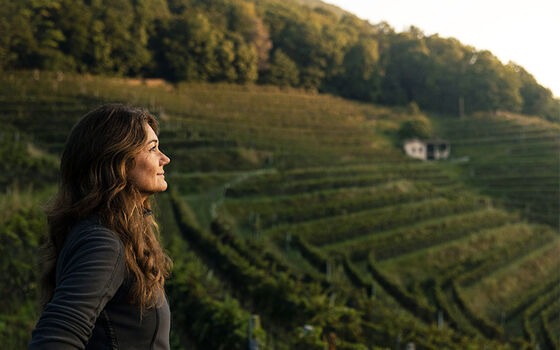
{"x":436,"y":260}
{"x":495,"y":291}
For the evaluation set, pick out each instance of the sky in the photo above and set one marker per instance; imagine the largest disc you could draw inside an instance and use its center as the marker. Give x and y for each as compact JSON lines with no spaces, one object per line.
{"x":525,"y":32}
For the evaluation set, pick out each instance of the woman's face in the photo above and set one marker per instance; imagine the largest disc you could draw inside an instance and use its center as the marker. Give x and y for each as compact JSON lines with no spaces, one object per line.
{"x":147,"y":172}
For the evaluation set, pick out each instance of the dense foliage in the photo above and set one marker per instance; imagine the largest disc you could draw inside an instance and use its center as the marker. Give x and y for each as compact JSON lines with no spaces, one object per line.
{"x":417,"y":127}
{"x":24,"y":183}
{"x":276,"y":42}
{"x":18,"y":167}
{"x":20,"y":236}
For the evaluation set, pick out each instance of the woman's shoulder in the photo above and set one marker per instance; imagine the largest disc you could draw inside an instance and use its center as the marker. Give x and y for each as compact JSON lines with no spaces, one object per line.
{"x":90,"y":230}
{"x":88,"y":241}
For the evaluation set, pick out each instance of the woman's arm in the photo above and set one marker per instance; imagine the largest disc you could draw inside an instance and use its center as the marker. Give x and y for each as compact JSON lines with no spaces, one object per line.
{"x":91,"y":269}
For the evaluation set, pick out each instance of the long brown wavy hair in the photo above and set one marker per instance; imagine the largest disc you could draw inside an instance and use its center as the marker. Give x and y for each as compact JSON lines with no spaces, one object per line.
{"x":93,"y":180}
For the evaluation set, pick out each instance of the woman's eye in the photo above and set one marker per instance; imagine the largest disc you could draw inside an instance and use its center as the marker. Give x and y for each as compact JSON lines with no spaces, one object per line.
{"x":153,"y":148}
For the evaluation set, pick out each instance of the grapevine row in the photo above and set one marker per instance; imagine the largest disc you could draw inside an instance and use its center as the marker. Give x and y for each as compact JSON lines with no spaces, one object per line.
{"x":335,"y":229}
{"x":310,"y":185}
{"x":270,"y":212}
{"x":405,"y":240}
{"x":538,"y":306}
{"x":552,"y":311}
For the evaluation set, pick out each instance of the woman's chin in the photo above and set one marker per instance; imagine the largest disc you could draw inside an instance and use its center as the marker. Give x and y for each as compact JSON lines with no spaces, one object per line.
{"x":148,"y":192}
{"x":163,"y":187}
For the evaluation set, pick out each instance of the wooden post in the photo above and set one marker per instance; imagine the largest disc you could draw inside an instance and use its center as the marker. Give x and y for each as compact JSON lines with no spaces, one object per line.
{"x":254,"y":322}
{"x":288,"y":241}
{"x":332,"y":299}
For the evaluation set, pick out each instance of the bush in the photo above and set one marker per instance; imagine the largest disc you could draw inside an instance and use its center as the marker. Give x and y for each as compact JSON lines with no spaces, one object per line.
{"x":20,"y":236}
{"x":417,"y":127}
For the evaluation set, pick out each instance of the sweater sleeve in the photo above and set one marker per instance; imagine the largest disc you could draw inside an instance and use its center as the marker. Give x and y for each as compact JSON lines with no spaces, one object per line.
{"x":91,"y":269}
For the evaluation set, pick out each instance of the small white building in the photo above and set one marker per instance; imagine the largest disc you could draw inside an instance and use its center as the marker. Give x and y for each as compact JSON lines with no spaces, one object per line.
{"x":427,"y":149}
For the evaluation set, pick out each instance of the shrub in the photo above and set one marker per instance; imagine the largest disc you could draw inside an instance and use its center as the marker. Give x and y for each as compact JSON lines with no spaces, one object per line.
{"x":417,"y":127}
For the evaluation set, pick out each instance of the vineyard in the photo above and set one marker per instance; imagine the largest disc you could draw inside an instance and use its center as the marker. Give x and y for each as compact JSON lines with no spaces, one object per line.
{"x":512,"y":158}
{"x":295,"y":222}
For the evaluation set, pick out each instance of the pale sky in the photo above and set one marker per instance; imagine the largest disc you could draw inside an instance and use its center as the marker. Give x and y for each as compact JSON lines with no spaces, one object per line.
{"x":525,"y":32}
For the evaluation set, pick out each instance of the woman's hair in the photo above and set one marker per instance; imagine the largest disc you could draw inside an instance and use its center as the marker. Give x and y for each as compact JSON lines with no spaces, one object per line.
{"x":93,"y":180}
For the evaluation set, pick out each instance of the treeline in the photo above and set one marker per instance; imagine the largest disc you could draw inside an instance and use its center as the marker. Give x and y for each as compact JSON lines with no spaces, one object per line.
{"x":269,"y":42}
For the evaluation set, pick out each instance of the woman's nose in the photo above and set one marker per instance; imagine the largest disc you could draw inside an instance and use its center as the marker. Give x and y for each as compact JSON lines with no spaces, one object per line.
{"x":165,"y":159}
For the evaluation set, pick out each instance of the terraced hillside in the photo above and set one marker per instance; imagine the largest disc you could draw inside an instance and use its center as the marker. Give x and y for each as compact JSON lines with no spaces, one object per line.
{"x":512,"y":158}
{"x":293,"y":212}
{"x":439,"y":250}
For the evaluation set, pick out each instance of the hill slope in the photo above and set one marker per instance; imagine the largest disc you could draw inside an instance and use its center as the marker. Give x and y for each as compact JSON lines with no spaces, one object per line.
{"x":512,"y":158}
{"x":297,"y":208}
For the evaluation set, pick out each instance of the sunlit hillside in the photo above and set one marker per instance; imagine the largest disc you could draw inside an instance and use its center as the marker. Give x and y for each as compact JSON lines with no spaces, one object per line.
{"x":296,"y":221}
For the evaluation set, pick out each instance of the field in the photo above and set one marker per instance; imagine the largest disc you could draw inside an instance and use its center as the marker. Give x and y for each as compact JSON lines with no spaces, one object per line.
{"x":288,"y":209}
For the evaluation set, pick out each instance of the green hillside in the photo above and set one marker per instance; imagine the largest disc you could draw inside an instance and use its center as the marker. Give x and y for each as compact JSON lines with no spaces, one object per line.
{"x":294,"y":211}
{"x":511,"y":157}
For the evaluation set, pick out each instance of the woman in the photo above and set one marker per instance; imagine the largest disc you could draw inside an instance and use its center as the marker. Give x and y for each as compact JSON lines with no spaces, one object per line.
{"x":105,"y":271}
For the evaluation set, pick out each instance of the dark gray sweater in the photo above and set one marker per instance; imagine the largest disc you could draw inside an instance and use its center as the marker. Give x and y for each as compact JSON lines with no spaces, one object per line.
{"x":89,"y":308}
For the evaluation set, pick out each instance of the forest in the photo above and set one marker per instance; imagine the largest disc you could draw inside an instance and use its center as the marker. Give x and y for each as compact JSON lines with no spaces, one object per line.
{"x":284,"y":43}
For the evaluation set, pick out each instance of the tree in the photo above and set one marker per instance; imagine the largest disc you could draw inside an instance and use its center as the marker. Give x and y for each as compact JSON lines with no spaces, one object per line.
{"x":302,"y":40}
{"x":417,"y":127}
{"x":225,"y":57}
{"x":448,"y":61}
{"x":246,"y":61}
{"x":17,"y":42}
{"x":405,"y":75}
{"x":537,"y":100}
{"x":245,"y":21}
{"x":489,"y":85}
{"x":120,"y":40}
{"x":282,"y":70}
{"x":360,"y":79}
{"x":48,"y":35}
{"x":73,"y":19}
{"x":187,"y":48}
